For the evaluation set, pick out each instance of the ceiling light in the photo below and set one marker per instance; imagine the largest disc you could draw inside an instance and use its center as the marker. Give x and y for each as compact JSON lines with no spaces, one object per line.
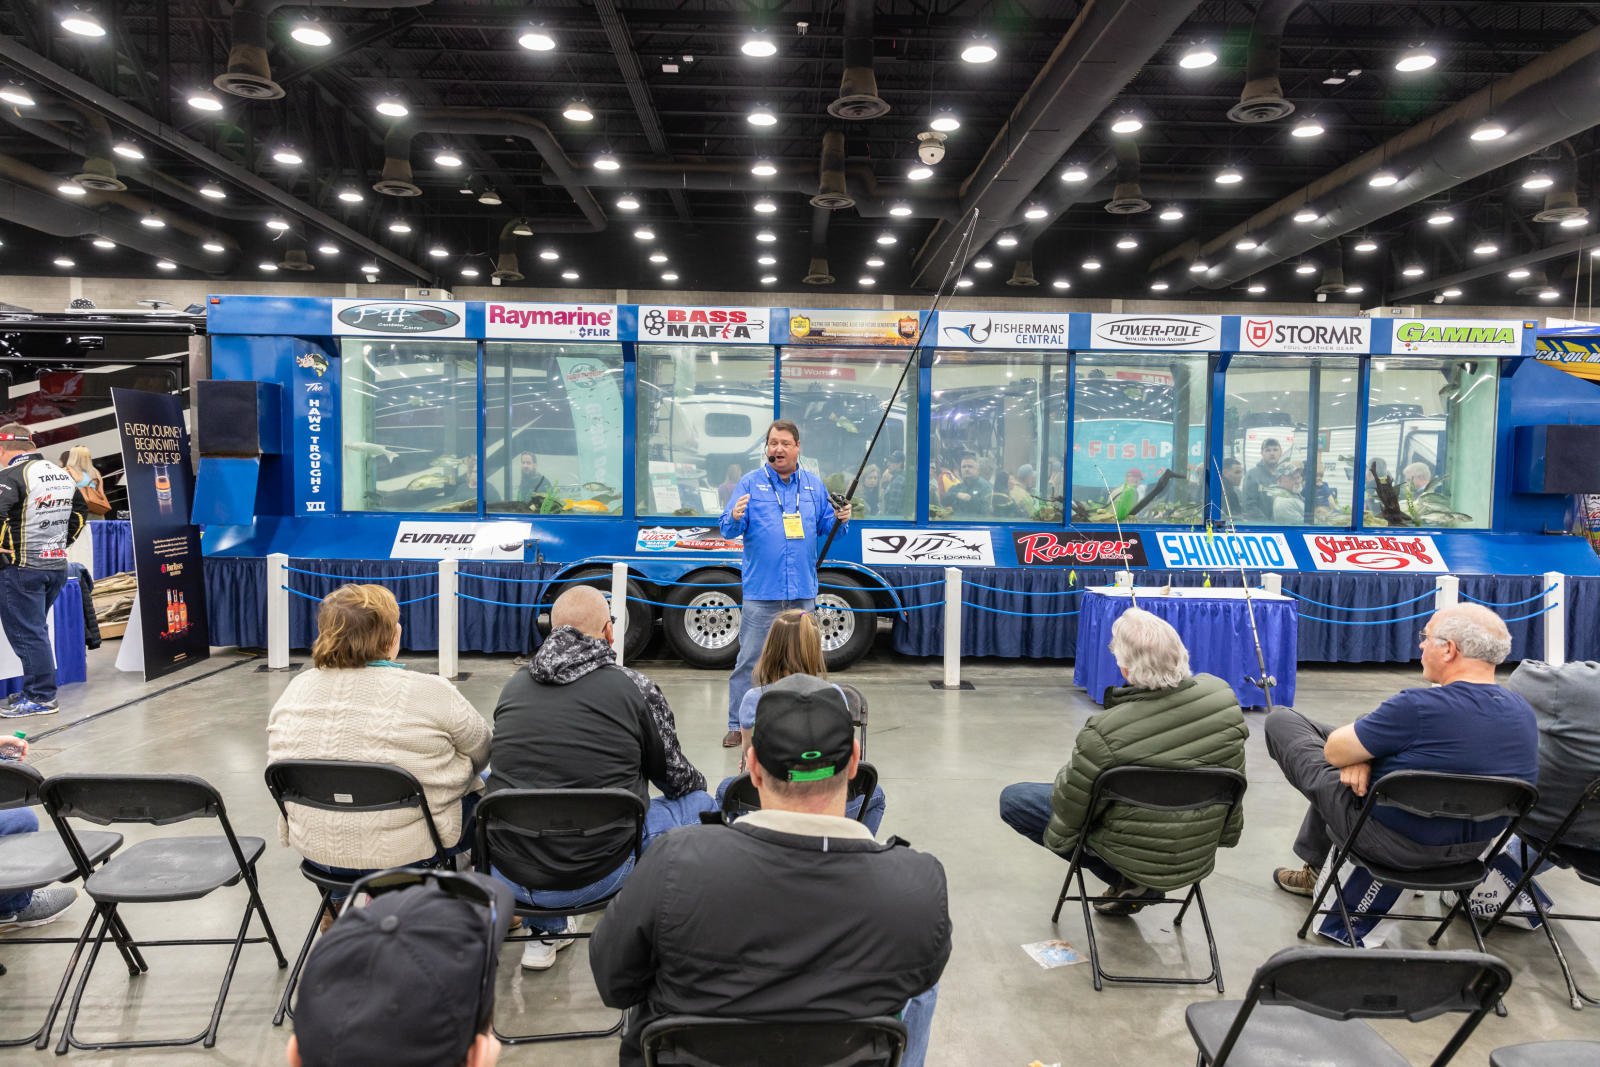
{"x":1414,"y":59}
{"x":438,"y":252}
{"x":1485,"y":248}
{"x":102,"y":242}
{"x":267,"y":267}
{"x":1228,"y":176}
{"x":1518,"y":273}
{"x":1306,"y":267}
{"x":1255,"y":288}
{"x":1074,"y":174}
{"x":900,"y":211}
{"x":982,"y":263}
{"x":1061,"y":283}
{"x":763,"y":169}
{"x":1413,"y":270}
{"x":277,"y":224}
{"x":758,"y":46}
{"x":311,"y":32}
{"x":549,"y":254}
{"x":287,"y":156}
{"x":577,"y":111}
{"x":1196,"y":57}
{"x":399,"y":226}
{"x":1170,"y":214}
{"x":469,"y":272}
{"x":489,"y":198}
{"x":1575,"y":222}
{"x":1306,"y":214}
{"x":351,"y":195}
{"x":607,"y":162}
{"x":761,"y":115}
{"x":1127,"y":123}
{"x":765,"y":207}
{"x":153,"y":221}
{"x":537,"y":39}
{"x":875,"y":262}
{"x":979,"y":50}
{"x":1538,"y":180}
{"x":64,"y":263}
{"x":768,"y":279}
{"x":1307,"y":127}
{"x":963,"y":283}
{"x":446,"y":158}
{"x":393,"y":107}
{"x":1334,"y":79}
{"x":81,"y":22}
{"x":1452,"y":292}
{"x":1355,"y":289}
{"x":919,"y":173}
{"x":1091,"y":264}
{"x":125,"y":149}
{"x":670,"y":276}
{"x":570,"y":275}
{"x":767,"y":261}
{"x":1006,"y":240}
{"x":627,"y":202}
{"x":71,"y":189}
{"x":1199,"y":266}
{"x":658,"y":257}
{"x":166,"y":264}
{"x":766,"y":237}
{"x":1245,"y":244}
{"x":1488,"y":130}
{"x":213,"y":192}
{"x":887,"y":239}
{"x":644,"y":233}
{"x":1365,"y":244}
{"x":204,"y":101}
{"x":15,"y":94}
{"x":1382,"y":180}
{"x":1127,"y":241}
{"x":864,"y":282}
{"x":1159,"y":287}
{"x":945,"y":122}
{"x":1441,"y":217}
{"x":215,"y":247}
{"x":1549,"y":294}
{"x":1034,"y":212}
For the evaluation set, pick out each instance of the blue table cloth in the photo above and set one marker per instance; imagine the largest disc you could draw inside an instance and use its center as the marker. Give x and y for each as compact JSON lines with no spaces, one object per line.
{"x":72,"y":659}
{"x":1216,"y":632}
{"x":113,"y":546}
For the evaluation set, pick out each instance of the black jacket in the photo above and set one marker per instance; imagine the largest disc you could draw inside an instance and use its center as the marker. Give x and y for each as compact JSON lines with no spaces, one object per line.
{"x":749,"y":922}
{"x":573,"y":719}
{"x":41,"y":513}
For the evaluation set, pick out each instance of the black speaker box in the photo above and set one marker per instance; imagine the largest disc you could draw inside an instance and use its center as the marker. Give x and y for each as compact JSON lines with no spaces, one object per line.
{"x":238,"y":418}
{"x":1558,"y":458}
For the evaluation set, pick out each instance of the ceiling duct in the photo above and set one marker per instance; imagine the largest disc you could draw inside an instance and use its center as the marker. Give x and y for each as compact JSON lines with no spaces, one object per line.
{"x":819,"y":273}
{"x":1534,"y":284}
{"x":1022,"y":273}
{"x":832,"y":193}
{"x":99,"y":172}
{"x":1332,"y":281}
{"x":506,"y":267}
{"x":249,"y":74}
{"x":294,"y":254}
{"x":872,"y":198}
{"x":858,"y":88}
{"x":1561,"y":199}
{"x":1262,"y":98}
{"x":1127,"y":198}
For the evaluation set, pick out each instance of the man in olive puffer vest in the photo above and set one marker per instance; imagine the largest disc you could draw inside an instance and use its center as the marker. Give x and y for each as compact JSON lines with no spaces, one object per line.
{"x":1164,"y":717}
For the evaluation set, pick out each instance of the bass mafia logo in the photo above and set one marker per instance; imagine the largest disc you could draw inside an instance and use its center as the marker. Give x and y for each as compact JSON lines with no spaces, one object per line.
{"x":704,"y":324}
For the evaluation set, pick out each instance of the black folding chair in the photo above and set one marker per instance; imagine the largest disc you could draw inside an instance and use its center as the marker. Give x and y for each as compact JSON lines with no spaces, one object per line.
{"x":1304,"y":1006}
{"x":347,"y":787}
{"x":537,"y":815}
{"x":33,"y":861}
{"x":699,"y":1041}
{"x":157,"y":870}
{"x":741,"y":798}
{"x":857,"y":703}
{"x":1156,"y":789}
{"x":1547,"y":1054}
{"x":1585,"y":863}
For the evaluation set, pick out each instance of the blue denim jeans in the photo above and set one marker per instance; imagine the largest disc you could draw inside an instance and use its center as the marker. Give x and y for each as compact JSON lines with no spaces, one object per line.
{"x":16,"y":821}
{"x":755,"y":619}
{"x":918,"y":1017}
{"x":876,"y":804}
{"x":26,"y":596}
{"x":1025,"y":807}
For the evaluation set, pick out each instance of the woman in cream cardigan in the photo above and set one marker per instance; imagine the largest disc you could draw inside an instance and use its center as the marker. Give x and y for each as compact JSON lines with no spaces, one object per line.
{"x":357,"y":703}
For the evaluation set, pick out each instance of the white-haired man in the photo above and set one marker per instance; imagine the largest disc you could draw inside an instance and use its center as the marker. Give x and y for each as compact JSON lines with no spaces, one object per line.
{"x":1464,"y":724}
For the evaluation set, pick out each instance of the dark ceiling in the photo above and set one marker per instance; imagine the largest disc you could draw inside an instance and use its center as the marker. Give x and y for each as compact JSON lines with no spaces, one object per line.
{"x":670,"y":90}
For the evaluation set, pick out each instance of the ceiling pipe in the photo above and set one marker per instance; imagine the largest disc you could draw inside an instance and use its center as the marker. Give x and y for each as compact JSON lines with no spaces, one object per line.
{"x":1561,"y":199}
{"x":249,"y":74}
{"x":1499,"y":266}
{"x":1126,"y":198}
{"x":470,"y":121}
{"x":1022,"y":270}
{"x":1550,"y":99}
{"x":41,"y":71}
{"x":1103,"y":50}
{"x":1058,"y":199}
{"x":871,"y":198}
{"x":1332,"y":281}
{"x":1262,"y":98}
{"x":858,"y":88}
{"x":819,"y":273}
{"x":506,"y":267}
{"x":832,"y":192}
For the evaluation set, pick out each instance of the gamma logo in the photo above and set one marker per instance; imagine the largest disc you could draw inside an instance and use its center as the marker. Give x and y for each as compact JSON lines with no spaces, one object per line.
{"x":399,"y":318}
{"x":972,"y":331}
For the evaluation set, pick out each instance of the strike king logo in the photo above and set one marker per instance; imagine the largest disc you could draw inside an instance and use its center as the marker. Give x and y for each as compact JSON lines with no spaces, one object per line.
{"x":399,"y":318}
{"x":704,"y":324}
{"x":928,"y":547}
{"x":1049,"y":548}
{"x":1306,"y":335}
{"x":1384,"y":554}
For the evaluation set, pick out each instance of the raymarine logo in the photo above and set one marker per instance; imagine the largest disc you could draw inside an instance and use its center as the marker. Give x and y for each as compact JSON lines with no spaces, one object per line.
{"x":1154,"y":332}
{"x":972,"y":331}
{"x":399,"y":318}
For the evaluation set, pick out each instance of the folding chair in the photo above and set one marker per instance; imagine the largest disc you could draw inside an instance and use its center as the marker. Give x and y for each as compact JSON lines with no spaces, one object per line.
{"x":1585,"y":863}
{"x":858,"y":712}
{"x":699,"y":1041}
{"x":547,"y":814}
{"x":33,"y":861}
{"x":157,"y":870}
{"x":1547,"y":1054}
{"x":741,"y":798}
{"x":1304,"y":1006}
{"x":1156,"y":789}
{"x":347,"y":787}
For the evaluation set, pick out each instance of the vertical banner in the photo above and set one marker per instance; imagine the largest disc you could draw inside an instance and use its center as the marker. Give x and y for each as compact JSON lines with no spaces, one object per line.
{"x":171,"y":615}
{"x":595,"y":393}
{"x":315,"y":430}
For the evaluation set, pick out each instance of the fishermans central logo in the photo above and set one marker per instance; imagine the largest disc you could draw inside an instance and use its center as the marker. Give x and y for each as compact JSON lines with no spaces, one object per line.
{"x":972,"y":331}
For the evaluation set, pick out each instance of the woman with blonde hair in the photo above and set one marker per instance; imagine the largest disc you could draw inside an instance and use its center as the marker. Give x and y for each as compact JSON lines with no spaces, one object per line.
{"x":357,"y":703}
{"x":80,"y":464}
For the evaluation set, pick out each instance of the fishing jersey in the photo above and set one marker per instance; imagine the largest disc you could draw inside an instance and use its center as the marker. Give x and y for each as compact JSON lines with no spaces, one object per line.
{"x":41,"y":513}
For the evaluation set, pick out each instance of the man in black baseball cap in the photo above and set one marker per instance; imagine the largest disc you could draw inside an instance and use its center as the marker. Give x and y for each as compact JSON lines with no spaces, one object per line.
{"x":803,"y":733}
{"x":408,"y":979}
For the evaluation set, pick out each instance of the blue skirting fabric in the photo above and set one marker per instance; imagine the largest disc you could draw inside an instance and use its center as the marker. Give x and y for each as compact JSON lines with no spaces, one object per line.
{"x":1216,"y":633}
{"x":72,"y":659}
{"x":113,"y":546}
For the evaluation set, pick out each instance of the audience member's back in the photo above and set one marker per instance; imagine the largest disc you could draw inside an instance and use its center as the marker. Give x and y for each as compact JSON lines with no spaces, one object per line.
{"x":1566,"y":704}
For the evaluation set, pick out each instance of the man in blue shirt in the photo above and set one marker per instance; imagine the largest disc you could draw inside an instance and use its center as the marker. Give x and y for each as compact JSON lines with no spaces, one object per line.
{"x":780,"y":511}
{"x":1464,"y":724}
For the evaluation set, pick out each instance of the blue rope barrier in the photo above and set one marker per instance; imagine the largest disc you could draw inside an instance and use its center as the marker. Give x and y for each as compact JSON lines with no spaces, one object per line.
{"x":417,"y":599}
{"x":298,"y":593}
{"x":362,"y":577}
{"x":493,"y":578}
{"x":1023,"y":592}
{"x":685,"y":607}
{"x":1026,"y":614}
{"x":895,"y":588}
{"x":496,"y":603}
{"x":1366,"y":622}
{"x":1510,"y":603}
{"x":1341,"y":607}
{"x":1535,"y":615}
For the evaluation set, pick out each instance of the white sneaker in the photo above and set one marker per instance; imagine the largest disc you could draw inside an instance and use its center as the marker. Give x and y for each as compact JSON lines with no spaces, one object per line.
{"x":45,"y":907}
{"x":541,"y":955}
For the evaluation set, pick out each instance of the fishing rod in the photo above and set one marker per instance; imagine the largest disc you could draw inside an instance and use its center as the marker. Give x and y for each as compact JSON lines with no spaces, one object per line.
{"x":1133,"y":596}
{"x":1266,"y":681}
{"x":963,"y":245}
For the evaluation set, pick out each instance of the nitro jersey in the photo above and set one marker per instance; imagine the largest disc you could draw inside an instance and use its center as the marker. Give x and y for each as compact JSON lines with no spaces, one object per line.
{"x":41,"y":513}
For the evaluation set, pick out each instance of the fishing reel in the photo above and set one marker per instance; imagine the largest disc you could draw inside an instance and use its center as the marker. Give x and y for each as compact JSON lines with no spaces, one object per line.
{"x":838,"y":500}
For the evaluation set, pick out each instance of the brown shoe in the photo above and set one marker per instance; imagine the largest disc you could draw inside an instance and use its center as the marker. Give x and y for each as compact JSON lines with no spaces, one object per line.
{"x":731,"y":739}
{"x":329,"y":913}
{"x":1302,"y":881}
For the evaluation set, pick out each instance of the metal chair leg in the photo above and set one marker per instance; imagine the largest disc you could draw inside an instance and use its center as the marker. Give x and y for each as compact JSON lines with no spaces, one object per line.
{"x":1211,"y":939}
{"x":1186,"y":902}
{"x":1088,"y":926}
{"x":300,"y":960}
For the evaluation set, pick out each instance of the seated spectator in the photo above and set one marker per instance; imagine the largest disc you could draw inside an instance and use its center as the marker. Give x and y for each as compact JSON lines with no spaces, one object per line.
{"x":1566,"y":709}
{"x":1287,"y":498}
{"x":405,"y":981}
{"x":1024,"y":484}
{"x":357,"y":703}
{"x":19,"y":911}
{"x":791,"y":913}
{"x":1464,"y":724}
{"x":971,"y":495}
{"x":574,"y":719}
{"x":1163,"y":717}
{"x":1418,"y":475}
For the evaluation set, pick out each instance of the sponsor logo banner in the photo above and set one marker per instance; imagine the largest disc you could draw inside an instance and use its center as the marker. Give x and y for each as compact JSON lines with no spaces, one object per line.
{"x":1488,"y":337}
{"x":1375,"y":552}
{"x":686,"y":539}
{"x":551,"y":322}
{"x":391,"y":318}
{"x":1226,"y":551}
{"x":967,"y":329}
{"x":460,"y":540}
{"x":1579,"y":356}
{"x":1167,"y":332}
{"x":877,"y":328}
{"x":1053,"y":548}
{"x":1316,"y":335}
{"x":315,"y":432}
{"x":931,"y":548}
{"x":716,"y":325}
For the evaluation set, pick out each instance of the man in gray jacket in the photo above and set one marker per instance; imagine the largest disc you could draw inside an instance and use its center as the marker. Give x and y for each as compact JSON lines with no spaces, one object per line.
{"x":1566,"y":706}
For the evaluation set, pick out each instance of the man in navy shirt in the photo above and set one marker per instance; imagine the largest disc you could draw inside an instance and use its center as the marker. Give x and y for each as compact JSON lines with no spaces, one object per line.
{"x":1465,"y":724}
{"x":780,"y":511}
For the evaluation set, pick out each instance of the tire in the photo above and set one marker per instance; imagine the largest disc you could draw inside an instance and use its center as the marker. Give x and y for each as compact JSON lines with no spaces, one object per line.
{"x":705,"y":638}
{"x":641,"y":617}
{"x":846,"y":635}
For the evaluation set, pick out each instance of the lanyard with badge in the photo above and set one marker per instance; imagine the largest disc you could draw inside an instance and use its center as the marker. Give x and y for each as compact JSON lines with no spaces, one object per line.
{"x":793,"y":528}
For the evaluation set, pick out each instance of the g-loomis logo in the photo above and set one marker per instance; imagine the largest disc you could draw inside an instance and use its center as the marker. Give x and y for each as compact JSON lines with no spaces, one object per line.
{"x":940,"y":547}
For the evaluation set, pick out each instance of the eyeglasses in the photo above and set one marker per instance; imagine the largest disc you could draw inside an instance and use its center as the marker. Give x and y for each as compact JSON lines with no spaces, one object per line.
{"x":1423,"y":635}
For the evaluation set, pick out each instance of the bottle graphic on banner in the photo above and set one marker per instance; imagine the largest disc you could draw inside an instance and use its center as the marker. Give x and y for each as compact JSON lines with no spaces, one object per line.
{"x":163,"y":490}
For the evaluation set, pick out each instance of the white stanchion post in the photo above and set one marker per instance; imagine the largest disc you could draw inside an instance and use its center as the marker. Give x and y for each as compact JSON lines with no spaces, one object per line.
{"x":619,"y":609}
{"x":1272,"y":583}
{"x":1555,"y":619}
{"x":1122,"y":580}
{"x":449,"y":613}
{"x":277,"y":612}
{"x":952,"y":628}
{"x":1446,"y":592}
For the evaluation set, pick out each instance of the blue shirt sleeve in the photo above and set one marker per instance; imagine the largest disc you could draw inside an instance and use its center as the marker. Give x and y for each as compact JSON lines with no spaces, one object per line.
{"x":730,"y":526}
{"x":1390,"y":728}
{"x":747,"y":707}
{"x":825,"y":515}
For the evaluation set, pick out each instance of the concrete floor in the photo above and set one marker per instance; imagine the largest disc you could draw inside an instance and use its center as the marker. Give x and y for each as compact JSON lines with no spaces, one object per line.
{"x":944,"y":758}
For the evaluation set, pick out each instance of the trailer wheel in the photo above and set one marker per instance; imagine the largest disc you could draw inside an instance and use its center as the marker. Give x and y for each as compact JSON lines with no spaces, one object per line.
{"x":846,"y":634}
{"x":703,"y":625}
{"x":641,"y":617}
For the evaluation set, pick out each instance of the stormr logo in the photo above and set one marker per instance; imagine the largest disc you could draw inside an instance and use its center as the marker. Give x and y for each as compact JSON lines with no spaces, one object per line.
{"x":1258,"y":332}
{"x":399,"y":318}
{"x":972,"y":331}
